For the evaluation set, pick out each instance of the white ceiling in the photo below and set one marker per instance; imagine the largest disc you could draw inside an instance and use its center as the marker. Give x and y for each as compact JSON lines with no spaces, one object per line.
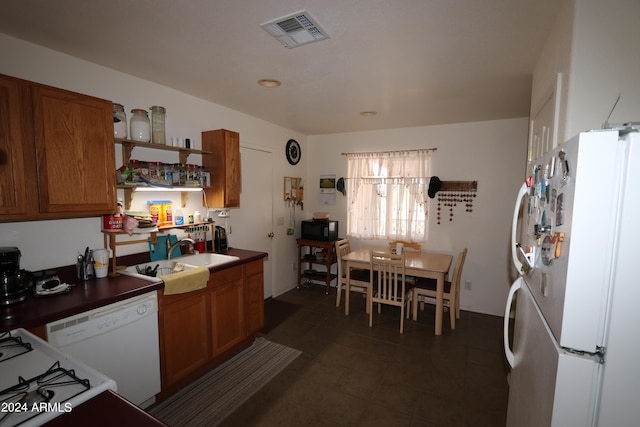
{"x":414,"y":62}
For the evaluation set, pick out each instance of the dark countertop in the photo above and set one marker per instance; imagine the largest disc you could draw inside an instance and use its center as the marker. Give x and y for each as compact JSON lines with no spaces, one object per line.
{"x":37,"y":311}
{"x":106,"y":409}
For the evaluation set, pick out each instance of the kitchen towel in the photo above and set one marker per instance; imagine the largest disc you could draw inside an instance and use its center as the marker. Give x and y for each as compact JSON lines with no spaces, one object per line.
{"x":185,"y":281}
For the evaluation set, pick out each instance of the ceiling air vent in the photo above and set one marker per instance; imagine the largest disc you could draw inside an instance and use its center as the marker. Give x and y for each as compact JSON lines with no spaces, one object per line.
{"x":296,"y":29}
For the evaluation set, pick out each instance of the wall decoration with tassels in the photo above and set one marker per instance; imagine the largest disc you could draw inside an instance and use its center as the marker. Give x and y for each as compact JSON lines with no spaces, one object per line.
{"x":452,"y":193}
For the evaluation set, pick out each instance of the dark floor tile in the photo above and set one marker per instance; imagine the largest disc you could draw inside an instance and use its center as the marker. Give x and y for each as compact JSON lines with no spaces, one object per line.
{"x":350,"y":374}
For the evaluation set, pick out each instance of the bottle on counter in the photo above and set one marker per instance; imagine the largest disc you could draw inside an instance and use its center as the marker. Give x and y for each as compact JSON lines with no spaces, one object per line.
{"x":179,"y":217}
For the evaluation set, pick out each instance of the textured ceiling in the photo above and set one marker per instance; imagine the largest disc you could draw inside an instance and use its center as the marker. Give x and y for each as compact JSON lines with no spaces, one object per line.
{"x":414,"y":62}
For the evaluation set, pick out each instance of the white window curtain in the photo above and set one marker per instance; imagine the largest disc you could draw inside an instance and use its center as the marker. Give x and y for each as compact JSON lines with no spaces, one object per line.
{"x":387,"y":195}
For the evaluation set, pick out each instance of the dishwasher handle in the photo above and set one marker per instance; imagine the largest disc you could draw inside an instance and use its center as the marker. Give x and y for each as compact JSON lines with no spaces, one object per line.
{"x":116,"y":307}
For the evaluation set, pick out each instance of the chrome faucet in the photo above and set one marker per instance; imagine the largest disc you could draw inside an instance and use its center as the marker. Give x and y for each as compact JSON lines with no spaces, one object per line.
{"x":180,"y":242}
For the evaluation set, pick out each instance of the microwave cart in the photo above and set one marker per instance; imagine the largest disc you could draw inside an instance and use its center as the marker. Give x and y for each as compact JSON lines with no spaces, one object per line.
{"x":314,"y":253}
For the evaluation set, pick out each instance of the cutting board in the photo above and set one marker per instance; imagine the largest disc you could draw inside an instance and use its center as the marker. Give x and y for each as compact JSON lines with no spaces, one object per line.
{"x":158,"y":250}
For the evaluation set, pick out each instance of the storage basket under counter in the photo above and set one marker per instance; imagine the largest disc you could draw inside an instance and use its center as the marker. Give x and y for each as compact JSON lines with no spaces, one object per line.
{"x":315,"y":261}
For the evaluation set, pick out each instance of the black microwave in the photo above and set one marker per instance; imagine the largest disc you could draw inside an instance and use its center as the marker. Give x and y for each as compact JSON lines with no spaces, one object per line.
{"x":320,"y":230}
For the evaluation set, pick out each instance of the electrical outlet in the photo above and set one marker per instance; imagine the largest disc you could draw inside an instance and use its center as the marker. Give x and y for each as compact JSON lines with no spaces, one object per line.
{"x":467,"y":285}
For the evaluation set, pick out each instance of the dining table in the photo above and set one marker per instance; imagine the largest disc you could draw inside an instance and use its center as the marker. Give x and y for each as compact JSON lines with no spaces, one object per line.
{"x":419,"y":264}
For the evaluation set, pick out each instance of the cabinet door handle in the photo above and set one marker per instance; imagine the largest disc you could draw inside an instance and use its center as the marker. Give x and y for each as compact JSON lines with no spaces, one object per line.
{"x":270,"y":235}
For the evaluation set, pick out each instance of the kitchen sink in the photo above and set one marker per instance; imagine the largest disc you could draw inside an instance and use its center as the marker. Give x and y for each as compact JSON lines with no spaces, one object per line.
{"x":153,"y":270}
{"x":206,"y":259}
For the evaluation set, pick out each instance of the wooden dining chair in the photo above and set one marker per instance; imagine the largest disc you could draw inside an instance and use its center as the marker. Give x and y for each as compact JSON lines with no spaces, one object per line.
{"x":412,"y":246}
{"x":388,"y":284}
{"x":408,"y":245}
{"x":426,"y":288}
{"x":359,"y":280}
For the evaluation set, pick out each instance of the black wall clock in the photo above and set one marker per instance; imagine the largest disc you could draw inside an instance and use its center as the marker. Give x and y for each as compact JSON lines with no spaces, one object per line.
{"x":293,"y":151}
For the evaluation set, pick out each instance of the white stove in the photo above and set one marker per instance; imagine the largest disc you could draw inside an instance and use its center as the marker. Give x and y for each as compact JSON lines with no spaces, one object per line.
{"x":39,"y":382}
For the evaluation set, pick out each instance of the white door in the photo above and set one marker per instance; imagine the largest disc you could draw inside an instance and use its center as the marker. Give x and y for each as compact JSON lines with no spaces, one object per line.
{"x":252,"y":223}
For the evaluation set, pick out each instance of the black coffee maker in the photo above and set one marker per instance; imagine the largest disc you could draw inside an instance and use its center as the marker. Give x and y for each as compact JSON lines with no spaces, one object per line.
{"x":15,"y":284}
{"x":220,"y":242}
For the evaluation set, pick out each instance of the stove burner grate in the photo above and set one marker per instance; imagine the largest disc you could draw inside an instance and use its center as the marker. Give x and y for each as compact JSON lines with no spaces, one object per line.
{"x":11,"y":346}
{"x":55,"y":385}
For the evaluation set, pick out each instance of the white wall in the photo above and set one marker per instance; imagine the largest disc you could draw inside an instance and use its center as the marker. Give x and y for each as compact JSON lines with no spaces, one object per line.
{"x":594,"y":45}
{"x":492,"y":153}
{"x":605,"y":63}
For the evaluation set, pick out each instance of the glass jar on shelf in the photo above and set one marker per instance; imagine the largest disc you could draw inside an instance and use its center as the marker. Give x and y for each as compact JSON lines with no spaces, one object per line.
{"x":200,"y":177}
{"x":176,"y":173}
{"x":158,"y":115}
{"x":182,"y":174}
{"x":156,"y":170}
{"x":190,"y":174}
{"x":168,"y":172}
{"x":119,"y":121}
{"x":140,"y":125}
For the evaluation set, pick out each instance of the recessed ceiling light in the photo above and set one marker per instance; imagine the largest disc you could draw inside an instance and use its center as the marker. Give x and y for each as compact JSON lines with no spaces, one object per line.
{"x":269,"y":83}
{"x":368,"y":113}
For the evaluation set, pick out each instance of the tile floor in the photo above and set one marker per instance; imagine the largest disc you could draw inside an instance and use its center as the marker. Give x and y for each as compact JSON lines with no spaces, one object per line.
{"x":353,"y":375}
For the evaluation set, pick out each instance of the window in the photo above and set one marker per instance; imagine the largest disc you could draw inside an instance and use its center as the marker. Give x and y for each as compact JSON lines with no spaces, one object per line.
{"x":387,"y":195}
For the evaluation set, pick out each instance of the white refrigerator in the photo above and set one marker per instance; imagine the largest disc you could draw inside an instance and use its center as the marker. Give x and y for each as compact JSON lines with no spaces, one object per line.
{"x":575,"y":352}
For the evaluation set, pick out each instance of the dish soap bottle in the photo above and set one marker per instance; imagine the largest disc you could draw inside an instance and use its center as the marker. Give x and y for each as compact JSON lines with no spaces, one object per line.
{"x":179,"y":217}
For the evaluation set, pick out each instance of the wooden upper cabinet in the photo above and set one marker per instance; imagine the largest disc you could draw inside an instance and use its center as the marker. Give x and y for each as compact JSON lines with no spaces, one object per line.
{"x":56,"y":153}
{"x":18,"y":195}
{"x":224,"y":166}
{"x":74,"y":151}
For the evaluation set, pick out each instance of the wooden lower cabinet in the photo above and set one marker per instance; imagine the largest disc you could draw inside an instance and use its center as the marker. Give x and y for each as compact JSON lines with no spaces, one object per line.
{"x":200,"y":329}
{"x":227,"y":309}
{"x":254,"y":296}
{"x":184,"y":345}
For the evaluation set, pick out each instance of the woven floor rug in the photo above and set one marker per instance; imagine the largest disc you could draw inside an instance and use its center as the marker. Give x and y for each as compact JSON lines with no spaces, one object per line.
{"x":211,"y":398}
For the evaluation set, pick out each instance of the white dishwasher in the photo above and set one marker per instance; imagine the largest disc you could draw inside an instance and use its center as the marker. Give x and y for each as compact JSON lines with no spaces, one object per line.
{"x":119,"y":340}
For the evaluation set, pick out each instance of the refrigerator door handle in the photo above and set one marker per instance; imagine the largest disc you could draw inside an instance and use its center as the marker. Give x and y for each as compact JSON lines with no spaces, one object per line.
{"x":507,"y":311}
{"x":515,"y":246}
